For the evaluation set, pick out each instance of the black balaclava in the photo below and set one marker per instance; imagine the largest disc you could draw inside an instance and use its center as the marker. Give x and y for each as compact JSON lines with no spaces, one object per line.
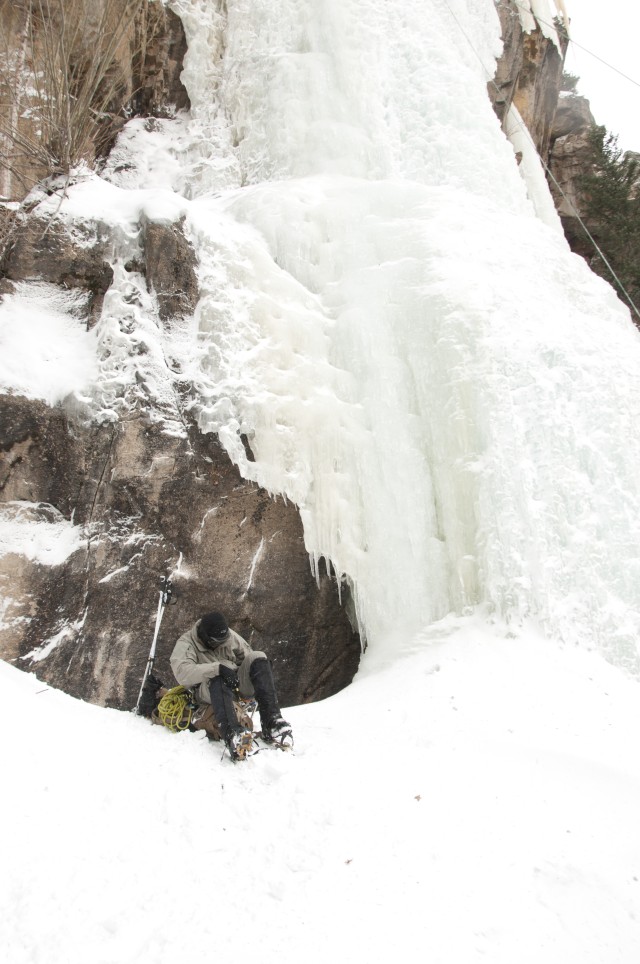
{"x":213,"y":630}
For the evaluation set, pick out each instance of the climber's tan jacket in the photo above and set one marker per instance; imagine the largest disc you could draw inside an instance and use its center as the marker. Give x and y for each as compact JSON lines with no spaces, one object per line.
{"x":194,"y":665}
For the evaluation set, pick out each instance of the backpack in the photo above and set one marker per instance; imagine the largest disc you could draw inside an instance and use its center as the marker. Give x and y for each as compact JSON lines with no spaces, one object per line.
{"x":177,"y":709}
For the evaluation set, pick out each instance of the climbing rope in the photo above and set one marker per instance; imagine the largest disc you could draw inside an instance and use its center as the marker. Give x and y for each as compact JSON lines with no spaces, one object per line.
{"x":174,"y":709}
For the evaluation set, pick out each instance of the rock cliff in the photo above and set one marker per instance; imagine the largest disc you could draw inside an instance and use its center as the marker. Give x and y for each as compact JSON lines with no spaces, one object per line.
{"x":529,"y":77}
{"x":142,"y":500}
{"x":120,"y":503}
{"x":528,"y":74}
{"x":569,"y":159}
{"x":147,"y":501}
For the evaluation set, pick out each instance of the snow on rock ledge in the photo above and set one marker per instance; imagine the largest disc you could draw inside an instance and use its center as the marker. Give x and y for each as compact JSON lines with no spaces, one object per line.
{"x":39,"y":532}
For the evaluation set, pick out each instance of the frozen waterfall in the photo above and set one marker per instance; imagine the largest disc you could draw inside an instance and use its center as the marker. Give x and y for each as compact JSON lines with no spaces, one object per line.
{"x":417,"y":359}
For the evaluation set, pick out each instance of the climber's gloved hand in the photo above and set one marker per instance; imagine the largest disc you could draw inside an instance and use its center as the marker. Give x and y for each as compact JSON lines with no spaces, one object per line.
{"x":229,"y":677}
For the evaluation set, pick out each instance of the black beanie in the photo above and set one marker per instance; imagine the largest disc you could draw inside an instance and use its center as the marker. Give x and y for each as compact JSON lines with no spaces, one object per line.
{"x":213,"y":627}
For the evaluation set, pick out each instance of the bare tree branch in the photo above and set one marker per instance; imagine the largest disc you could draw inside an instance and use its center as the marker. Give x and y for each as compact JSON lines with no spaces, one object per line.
{"x":62,"y":94}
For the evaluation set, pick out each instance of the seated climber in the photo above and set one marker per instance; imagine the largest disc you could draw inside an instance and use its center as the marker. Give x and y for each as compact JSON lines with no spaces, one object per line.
{"x":217,"y":662}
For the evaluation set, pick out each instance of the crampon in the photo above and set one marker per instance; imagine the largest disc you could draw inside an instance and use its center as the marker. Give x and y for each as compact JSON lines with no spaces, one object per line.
{"x":278,"y":733}
{"x":240,"y":745}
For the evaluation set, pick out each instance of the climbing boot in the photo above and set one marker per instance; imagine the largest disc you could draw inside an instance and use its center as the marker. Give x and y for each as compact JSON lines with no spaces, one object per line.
{"x":278,"y":731}
{"x":261,"y":677}
{"x":239,"y":743}
{"x":238,"y":739}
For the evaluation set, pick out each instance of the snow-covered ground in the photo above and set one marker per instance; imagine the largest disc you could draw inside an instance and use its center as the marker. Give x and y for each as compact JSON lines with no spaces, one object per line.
{"x":477,"y":800}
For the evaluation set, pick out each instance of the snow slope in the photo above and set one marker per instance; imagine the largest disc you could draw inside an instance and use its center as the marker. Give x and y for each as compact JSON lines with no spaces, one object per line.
{"x":476,"y":800}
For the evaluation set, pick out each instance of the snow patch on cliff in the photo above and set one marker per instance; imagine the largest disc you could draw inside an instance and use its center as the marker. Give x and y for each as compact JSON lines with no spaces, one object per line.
{"x":39,"y":532}
{"x":46,"y":351}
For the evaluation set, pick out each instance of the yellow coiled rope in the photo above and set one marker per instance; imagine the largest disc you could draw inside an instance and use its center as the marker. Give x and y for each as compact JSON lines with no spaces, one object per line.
{"x":174,"y":710}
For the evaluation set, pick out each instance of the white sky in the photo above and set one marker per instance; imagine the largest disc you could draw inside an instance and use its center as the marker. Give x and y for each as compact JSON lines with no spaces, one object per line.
{"x":611,"y":31}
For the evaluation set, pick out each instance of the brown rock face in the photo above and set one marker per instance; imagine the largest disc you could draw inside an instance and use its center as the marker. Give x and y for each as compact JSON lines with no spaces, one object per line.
{"x":573,"y":116}
{"x":568,"y":160}
{"x":536,"y":94}
{"x":160,"y":46}
{"x":170,"y":268}
{"x":130,"y":55}
{"x":39,"y":250}
{"x":503,"y":86}
{"x":145,"y":500}
{"x":528,"y":76}
{"x":147,"y":504}
{"x":40,"y":458}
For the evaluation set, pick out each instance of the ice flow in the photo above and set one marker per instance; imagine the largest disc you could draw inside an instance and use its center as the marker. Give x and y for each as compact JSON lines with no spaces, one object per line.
{"x":418,"y":361}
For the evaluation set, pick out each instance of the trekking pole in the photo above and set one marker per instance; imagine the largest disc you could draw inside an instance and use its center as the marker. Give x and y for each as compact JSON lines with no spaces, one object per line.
{"x":164,"y":600}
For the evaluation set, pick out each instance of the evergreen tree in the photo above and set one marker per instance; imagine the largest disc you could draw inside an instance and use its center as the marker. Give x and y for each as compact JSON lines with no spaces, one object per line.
{"x":611,"y":191}
{"x":569,"y":82}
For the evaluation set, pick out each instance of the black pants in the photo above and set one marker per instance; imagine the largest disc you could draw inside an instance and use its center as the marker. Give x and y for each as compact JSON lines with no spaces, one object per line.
{"x":264,"y":687}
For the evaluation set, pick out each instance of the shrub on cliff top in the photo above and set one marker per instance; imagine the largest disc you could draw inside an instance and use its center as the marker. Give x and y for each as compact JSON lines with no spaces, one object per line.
{"x":60,"y":85}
